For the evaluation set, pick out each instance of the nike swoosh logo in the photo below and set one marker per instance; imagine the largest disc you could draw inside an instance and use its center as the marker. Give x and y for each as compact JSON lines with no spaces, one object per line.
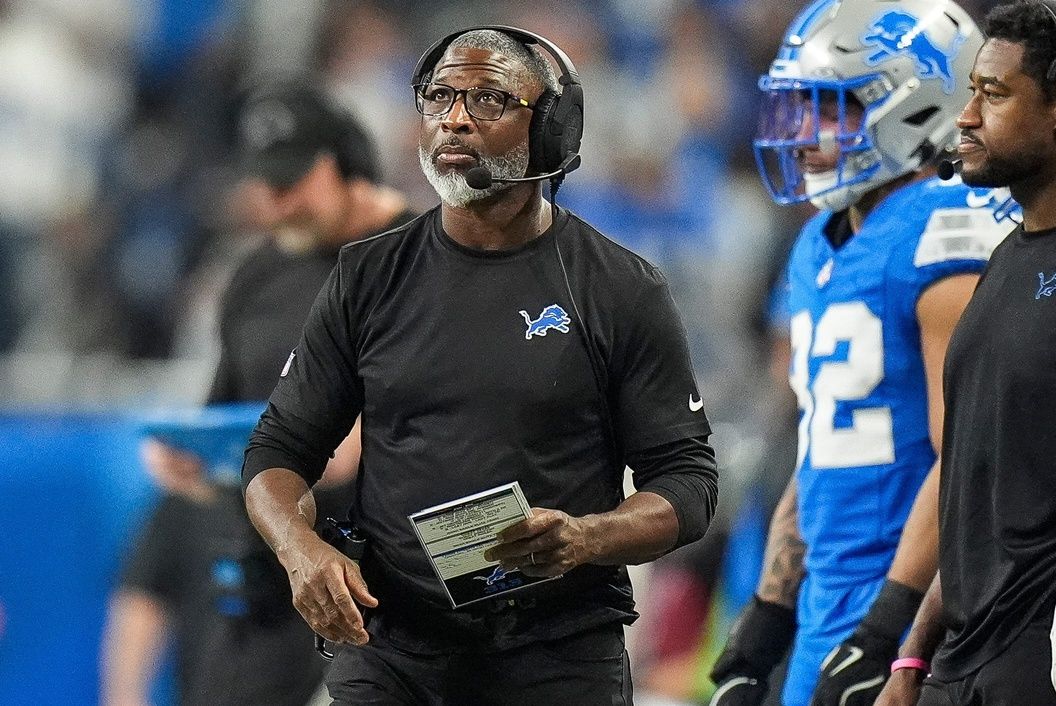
{"x":729,"y":686}
{"x":695,"y":406}
{"x":856,"y":654}
{"x":289,"y":362}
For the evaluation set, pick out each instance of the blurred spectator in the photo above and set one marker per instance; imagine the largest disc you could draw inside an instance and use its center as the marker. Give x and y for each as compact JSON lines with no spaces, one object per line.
{"x":64,"y":93}
{"x":199,"y":566}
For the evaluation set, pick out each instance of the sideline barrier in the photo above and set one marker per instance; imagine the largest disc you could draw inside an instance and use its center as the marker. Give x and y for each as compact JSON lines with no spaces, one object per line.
{"x":72,"y":492}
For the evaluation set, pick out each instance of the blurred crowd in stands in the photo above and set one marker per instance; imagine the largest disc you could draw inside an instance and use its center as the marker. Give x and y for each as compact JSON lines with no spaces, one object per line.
{"x":120,"y":204}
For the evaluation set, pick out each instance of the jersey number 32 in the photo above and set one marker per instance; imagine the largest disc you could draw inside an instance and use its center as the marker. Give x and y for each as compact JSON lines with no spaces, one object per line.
{"x":868,"y":439}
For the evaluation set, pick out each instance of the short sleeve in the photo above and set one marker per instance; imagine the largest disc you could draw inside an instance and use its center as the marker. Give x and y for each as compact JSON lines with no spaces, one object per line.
{"x":223,"y":387}
{"x":318,"y":394}
{"x":657,"y":400}
{"x":955,"y":240}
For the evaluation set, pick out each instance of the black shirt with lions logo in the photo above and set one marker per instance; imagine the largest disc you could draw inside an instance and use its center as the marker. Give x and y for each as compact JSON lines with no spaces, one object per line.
{"x":476,"y":368}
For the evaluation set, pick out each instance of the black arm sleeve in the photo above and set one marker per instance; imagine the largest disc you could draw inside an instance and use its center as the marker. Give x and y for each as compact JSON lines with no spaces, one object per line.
{"x":317,"y":397}
{"x":684,"y":473}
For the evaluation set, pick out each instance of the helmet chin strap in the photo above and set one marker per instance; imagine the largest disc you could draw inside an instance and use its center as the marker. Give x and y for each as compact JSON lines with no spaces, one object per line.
{"x":826,"y":196}
{"x":826,"y":193}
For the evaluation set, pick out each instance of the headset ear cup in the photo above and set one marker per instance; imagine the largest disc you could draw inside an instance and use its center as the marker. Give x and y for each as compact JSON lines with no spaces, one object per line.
{"x":572,"y":121}
{"x":544,"y":149}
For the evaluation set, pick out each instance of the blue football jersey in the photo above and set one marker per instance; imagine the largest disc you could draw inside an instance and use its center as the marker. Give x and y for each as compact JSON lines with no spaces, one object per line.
{"x":858,"y":373}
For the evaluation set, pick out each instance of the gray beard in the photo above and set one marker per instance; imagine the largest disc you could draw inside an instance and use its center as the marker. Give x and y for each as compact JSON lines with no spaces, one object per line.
{"x":452,"y":187}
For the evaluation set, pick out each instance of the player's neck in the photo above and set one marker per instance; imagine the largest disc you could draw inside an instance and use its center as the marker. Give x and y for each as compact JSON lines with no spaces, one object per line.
{"x":865,"y":205}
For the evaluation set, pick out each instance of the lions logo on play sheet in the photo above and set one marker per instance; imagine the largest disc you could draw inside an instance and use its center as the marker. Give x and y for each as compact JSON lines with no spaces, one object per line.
{"x":553,"y":317}
{"x":498,"y":574}
{"x":898,"y":32}
{"x":500,"y":580}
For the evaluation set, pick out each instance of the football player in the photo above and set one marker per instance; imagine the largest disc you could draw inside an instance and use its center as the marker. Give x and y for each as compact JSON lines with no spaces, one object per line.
{"x":859,"y":107}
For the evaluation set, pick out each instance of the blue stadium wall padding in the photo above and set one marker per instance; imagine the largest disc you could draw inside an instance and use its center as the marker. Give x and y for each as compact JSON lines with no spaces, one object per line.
{"x":72,"y":491}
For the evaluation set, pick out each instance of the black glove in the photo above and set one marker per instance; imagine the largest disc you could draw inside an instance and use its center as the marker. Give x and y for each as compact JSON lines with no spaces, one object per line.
{"x":854,"y":672}
{"x":739,"y":691}
{"x":758,"y":640}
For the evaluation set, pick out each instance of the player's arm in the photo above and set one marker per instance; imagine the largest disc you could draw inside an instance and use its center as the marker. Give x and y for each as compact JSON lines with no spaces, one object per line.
{"x":939,"y":309}
{"x":764,"y":630}
{"x":903,"y":688}
{"x":783,"y":559}
{"x":135,"y":634}
{"x":855,"y":671}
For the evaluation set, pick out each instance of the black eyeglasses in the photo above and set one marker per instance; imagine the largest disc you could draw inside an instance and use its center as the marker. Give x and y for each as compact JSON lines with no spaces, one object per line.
{"x":482,"y":103}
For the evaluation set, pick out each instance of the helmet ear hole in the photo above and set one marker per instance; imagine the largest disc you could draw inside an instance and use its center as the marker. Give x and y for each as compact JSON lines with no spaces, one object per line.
{"x":921,"y":116}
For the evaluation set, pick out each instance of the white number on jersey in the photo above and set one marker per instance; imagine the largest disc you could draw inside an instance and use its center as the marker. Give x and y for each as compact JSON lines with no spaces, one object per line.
{"x":870,"y":438}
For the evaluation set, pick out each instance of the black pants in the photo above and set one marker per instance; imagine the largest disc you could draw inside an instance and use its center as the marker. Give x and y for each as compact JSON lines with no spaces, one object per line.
{"x":587,"y":669}
{"x":1019,"y":676}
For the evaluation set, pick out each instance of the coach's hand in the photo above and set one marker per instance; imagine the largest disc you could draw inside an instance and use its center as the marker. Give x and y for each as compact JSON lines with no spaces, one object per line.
{"x":854,"y":672}
{"x":549,"y":543}
{"x":177,"y":472}
{"x":327,"y":586}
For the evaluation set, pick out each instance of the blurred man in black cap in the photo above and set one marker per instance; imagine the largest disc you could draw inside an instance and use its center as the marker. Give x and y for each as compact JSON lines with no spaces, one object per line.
{"x":321,"y":176}
{"x":198,"y":568}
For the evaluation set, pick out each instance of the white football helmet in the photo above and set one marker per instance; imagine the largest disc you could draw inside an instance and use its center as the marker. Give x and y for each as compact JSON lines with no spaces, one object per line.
{"x":904,"y":62}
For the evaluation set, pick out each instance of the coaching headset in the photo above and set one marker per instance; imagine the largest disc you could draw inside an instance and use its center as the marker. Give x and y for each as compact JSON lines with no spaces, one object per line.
{"x":557,"y":118}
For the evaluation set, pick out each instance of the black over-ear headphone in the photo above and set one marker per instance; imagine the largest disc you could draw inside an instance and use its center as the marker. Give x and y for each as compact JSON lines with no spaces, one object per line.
{"x":557,"y":119}
{"x":1050,"y":75}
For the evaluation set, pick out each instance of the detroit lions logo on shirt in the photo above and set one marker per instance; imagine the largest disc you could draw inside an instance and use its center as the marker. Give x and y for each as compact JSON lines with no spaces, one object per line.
{"x":898,"y":32}
{"x":1047,"y":287}
{"x":553,"y":317}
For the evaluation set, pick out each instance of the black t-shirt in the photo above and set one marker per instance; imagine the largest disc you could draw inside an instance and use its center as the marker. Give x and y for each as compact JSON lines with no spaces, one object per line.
{"x":471,"y":370}
{"x":997,"y":548}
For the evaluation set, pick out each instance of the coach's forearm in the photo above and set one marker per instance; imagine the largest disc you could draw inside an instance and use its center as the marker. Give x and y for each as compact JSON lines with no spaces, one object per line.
{"x":927,"y":631}
{"x":642,"y":528}
{"x":282,"y":508}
